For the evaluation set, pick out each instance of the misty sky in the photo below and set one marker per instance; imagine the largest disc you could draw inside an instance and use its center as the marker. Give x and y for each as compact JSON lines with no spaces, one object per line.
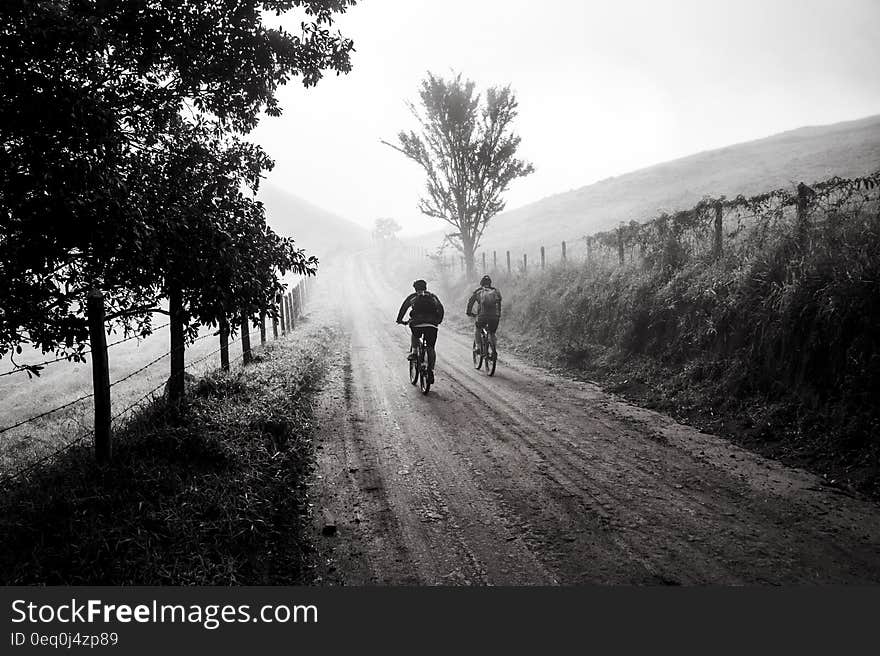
{"x":604,"y":88}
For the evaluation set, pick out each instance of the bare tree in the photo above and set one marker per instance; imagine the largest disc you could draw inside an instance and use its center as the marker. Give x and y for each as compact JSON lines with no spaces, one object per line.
{"x":468,"y":151}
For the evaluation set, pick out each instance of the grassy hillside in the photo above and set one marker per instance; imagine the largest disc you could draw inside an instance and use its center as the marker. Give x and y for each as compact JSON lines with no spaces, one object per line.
{"x":847,"y":149}
{"x":320,"y":232}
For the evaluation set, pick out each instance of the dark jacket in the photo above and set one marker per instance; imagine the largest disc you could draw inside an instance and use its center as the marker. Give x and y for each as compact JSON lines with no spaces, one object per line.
{"x":432,"y":315}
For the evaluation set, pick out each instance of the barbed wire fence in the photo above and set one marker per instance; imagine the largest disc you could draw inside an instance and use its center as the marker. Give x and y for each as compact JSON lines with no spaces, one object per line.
{"x":711,"y":228}
{"x":290,"y":308}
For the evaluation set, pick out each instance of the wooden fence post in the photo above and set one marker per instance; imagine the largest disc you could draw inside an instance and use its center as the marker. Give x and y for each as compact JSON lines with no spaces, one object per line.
{"x":718,"y":223}
{"x":525,"y":264}
{"x":542,"y":258}
{"x":291,"y":317}
{"x":176,"y":382}
{"x":563,"y":253}
{"x":494,"y":260}
{"x":804,"y":193}
{"x":224,"y":343}
{"x":281,"y":314}
{"x":100,"y":375}
{"x":508,"y":262}
{"x":246,"y":355}
{"x":620,"y":244}
{"x":484,"y":261}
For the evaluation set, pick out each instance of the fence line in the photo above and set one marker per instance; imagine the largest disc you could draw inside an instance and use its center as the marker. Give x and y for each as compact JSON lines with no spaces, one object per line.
{"x":44,"y":414}
{"x":40,"y":365}
{"x":137,"y":403}
{"x":295,"y":302}
{"x":708,"y":229}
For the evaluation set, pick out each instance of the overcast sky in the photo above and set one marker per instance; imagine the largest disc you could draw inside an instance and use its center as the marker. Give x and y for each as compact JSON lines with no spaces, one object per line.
{"x":604,"y":88}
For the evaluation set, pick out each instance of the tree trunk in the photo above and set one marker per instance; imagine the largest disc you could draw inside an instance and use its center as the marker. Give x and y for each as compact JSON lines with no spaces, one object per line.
{"x":224,"y":343}
{"x":246,"y":355}
{"x":176,"y":382}
{"x":100,"y":375}
{"x":469,"y":247}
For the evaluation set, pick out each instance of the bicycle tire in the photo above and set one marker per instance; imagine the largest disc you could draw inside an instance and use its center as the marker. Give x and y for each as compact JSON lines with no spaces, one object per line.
{"x":477,"y":355}
{"x":424,"y":384}
{"x":491,"y":360}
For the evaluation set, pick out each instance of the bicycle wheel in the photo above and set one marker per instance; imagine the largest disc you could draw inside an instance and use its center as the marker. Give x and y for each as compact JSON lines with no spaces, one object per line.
{"x":477,"y":354}
{"x":424,"y":381}
{"x":413,"y":372}
{"x":491,"y":359}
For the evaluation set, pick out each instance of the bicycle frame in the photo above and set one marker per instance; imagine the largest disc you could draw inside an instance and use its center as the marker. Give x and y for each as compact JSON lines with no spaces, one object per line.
{"x":418,"y":369}
{"x":483,"y":356}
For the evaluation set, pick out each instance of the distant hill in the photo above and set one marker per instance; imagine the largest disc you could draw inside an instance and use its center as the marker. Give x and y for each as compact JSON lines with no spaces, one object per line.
{"x":318,"y":231}
{"x":806,"y":154}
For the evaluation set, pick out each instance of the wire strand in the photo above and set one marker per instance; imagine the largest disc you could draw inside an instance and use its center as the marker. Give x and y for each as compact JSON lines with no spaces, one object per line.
{"x":48,"y":412}
{"x":21,"y":368}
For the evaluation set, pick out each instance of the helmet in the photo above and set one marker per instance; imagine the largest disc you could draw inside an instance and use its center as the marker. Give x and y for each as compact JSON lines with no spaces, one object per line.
{"x":420,"y":285}
{"x":486,"y":281}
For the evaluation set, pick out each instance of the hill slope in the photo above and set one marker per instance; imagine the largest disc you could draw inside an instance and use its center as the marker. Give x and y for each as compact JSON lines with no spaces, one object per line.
{"x":320,"y":232}
{"x":806,"y":154}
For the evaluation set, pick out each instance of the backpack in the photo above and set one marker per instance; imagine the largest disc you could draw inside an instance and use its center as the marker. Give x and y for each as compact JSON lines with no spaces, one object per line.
{"x":489,"y":302}
{"x":424,"y":307}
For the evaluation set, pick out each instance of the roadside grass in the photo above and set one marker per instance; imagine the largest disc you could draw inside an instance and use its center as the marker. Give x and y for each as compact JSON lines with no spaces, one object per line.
{"x":213,"y":494}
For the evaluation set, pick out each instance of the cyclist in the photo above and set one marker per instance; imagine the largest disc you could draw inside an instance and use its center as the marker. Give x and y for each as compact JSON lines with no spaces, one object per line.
{"x":488,"y":300}
{"x":426,"y":313}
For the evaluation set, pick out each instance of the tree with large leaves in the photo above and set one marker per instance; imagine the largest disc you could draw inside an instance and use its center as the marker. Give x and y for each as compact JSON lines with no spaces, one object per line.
{"x":87,"y":87}
{"x":467,"y":149}
{"x":210,"y":251}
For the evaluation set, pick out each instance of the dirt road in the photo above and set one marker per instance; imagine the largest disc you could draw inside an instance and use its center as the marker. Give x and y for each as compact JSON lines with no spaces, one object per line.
{"x":532,"y":478}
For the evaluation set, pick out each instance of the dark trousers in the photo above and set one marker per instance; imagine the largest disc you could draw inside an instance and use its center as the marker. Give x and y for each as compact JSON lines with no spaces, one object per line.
{"x":491,"y":324}
{"x":430,"y":333}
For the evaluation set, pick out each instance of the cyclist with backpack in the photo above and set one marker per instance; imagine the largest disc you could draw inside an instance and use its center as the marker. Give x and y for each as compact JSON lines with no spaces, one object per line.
{"x":425,"y":314}
{"x":488,"y":301}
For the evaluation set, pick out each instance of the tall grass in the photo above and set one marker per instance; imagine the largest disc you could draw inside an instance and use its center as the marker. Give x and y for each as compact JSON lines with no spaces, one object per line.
{"x":788,"y":316}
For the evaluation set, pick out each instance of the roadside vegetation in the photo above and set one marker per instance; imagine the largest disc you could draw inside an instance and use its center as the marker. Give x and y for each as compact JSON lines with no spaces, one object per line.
{"x":772,"y":342}
{"x":211,"y":494}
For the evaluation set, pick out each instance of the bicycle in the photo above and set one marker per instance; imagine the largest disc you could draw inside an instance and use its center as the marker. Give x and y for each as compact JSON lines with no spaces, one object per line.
{"x":419,"y":372}
{"x":484,"y":354}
